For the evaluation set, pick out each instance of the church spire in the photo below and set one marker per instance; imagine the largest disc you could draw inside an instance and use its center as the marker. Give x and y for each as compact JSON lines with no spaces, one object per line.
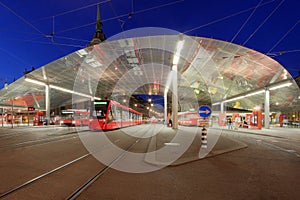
{"x":98,"y":35}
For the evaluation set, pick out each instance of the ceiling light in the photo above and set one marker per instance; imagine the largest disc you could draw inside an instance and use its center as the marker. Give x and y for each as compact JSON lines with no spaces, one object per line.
{"x":280,"y":86}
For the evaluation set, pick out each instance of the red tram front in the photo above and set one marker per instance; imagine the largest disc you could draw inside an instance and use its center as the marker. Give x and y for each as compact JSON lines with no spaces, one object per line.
{"x":109,"y":115}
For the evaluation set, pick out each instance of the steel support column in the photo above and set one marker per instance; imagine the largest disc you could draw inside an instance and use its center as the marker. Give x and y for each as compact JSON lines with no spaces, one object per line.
{"x":222,"y":107}
{"x":166,"y":107}
{"x":174,"y":98}
{"x":267,"y":108}
{"x":47,"y":103}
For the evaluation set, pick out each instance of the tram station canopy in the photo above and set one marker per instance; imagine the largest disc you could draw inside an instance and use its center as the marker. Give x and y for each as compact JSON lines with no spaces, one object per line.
{"x":208,"y":71}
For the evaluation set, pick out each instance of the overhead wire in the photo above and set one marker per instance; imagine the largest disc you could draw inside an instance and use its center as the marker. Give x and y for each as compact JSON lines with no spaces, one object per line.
{"x":263,"y":22}
{"x":74,"y":39}
{"x":13,"y":55}
{"x":132,"y":8}
{"x":43,"y":35}
{"x":24,"y":20}
{"x":282,"y":52}
{"x":249,"y":17}
{"x":59,"y":44}
{"x":121,"y":22}
{"x":123,"y":15}
{"x":63,"y":13}
{"x":70,"y":11}
{"x":31,"y":25}
{"x":284,"y":36}
{"x":226,"y":17}
{"x":159,"y":6}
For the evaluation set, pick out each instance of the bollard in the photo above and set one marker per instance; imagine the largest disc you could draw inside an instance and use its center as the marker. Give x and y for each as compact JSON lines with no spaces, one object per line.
{"x":204,"y":138}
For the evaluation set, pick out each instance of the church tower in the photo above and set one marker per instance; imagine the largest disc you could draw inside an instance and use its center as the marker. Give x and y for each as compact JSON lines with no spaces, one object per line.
{"x":98,"y":35}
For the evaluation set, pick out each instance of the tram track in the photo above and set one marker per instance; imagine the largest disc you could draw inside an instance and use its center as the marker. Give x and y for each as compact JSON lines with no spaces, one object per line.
{"x":56,"y":175}
{"x":83,"y":187}
{"x":35,"y":142}
{"x":88,"y":183}
{"x":29,"y":131}
{"x":22,"y":144}
{"x":48,"y":173}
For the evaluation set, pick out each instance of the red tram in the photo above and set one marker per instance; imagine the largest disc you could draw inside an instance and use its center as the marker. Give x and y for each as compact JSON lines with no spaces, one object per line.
{"x":73,"y":117}
{"x":109,"y":115}
{"x":191,"y":119}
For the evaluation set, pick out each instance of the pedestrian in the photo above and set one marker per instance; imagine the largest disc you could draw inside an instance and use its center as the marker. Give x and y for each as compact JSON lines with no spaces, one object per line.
{"x":229,"y":123}
{"x":170,"y":122}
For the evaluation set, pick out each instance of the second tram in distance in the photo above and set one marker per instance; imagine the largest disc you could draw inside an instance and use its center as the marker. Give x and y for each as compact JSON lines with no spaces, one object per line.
{"x":191,"y":119}
{"x":109,"y":115}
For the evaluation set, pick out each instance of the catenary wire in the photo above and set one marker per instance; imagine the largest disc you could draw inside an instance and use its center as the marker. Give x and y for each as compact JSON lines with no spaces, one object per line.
{"x":121,"y":22}
{"x":70,"y":11}
{"x":246,"y":21}
{"x":263,"y":22}
{"x":123,"y":15}
{"x":20,"y":17}
{"x":226,"y":17}
{"x":284,"y":36}
{"x":35,"y":28}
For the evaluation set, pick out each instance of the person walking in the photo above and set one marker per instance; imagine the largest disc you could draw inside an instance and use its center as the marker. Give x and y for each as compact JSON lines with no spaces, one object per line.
{"x":229,"y":123}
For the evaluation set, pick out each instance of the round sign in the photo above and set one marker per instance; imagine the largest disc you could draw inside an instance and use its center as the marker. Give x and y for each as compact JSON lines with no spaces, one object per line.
{"x":204,"y":111}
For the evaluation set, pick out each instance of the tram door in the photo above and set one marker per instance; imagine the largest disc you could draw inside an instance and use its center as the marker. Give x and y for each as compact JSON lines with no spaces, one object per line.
{"x":38,"y":118}
{"x":257,"y":119}
{"x":248,"y":119}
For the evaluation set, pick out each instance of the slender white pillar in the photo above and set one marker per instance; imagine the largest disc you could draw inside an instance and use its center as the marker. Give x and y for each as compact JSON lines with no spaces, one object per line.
{"x":47,"y":103}
{"x":174,"y":97}
{"x":267,"y":108}
{"x":12,"y":113}
{"x":222,"y":107}
{"x":166,"y":106}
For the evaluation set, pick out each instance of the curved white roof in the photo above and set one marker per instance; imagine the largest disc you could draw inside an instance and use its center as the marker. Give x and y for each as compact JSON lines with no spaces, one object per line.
{"x":209,"y":71}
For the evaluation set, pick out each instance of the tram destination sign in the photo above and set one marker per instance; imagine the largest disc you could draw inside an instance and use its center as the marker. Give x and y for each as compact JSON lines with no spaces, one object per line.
{"x":30,"y":108}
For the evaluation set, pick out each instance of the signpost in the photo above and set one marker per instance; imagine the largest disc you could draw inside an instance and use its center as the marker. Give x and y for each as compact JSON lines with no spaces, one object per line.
{"x":204,"y":111}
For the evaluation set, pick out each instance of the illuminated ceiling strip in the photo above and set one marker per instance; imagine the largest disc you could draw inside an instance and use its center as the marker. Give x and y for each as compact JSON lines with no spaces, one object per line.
{"x":286,"y":84}
{"x":35,"y":81}
{"x":281,"y":86}
{"x":69,"y":91}
{"x":60,"y":88}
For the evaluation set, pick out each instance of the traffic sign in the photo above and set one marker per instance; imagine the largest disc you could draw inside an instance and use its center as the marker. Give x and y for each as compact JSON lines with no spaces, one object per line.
{"x":204,"y":111}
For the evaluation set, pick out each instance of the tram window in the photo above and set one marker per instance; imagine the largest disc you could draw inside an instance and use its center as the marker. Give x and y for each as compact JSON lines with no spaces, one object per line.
{"x":110,"y":116}
{"x":100,"y":109}
{"x":100,"y":114}
{"x":125,"y":115}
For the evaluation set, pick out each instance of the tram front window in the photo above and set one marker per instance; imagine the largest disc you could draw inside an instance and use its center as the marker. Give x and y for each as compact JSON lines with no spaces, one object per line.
{"x":100,"y":109}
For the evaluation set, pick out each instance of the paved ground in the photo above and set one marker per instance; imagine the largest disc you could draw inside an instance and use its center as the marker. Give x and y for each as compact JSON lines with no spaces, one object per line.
{"x":288,"y":133}
{"x":251,"y":164}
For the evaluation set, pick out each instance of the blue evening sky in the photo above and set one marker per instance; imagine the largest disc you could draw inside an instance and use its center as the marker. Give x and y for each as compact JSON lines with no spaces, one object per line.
{"x":36,"y":32}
